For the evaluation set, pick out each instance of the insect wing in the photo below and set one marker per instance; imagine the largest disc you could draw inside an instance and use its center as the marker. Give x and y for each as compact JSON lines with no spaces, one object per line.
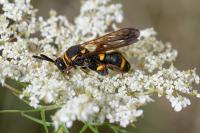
{"x":113,"y":40}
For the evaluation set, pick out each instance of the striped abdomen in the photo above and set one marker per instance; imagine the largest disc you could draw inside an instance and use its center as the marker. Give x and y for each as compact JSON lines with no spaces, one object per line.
{"x":115,"y":60}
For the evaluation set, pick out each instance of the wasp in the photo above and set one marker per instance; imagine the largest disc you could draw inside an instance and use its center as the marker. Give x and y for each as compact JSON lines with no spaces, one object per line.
{"x":99,"y":54}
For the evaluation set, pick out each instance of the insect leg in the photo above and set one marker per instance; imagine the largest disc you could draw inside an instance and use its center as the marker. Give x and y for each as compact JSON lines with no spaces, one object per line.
{"x":67,"y":71}
{"x":85,"y":70}
{"x":115,"y":68}
{"x":103,"y":72}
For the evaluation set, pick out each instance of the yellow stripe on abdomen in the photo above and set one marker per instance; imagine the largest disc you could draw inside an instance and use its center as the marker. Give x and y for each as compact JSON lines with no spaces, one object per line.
{"x":101,"y":57}
{"x":123,"y":63}
{"x":100,"y":67}
{"x":74,"y":57}
{"x":83,"y":51}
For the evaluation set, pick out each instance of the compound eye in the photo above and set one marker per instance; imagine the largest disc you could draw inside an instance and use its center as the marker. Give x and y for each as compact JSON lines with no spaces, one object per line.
{"x":61,"y":66}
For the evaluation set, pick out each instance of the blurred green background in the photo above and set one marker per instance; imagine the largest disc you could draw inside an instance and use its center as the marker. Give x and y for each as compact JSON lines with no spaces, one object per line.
{"x":176,"y":21}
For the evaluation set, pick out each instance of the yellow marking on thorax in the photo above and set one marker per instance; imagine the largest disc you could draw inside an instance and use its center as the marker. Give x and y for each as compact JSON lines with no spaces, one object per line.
{"x":122,"y":63}
{"x":64,"y":61}
{"x":101,"y":56}
{"x":100,"y":67}
{"x":83,"y":51}
{"x":67,"y":60}
{"x":74,"y":57}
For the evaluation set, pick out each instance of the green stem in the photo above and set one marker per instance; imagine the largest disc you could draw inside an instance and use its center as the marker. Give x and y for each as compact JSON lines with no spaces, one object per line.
{"x":65,"y":129}
{"x":111,"y":127}
{"x":117,"y":129}
{"x":62,"y":129}
{"x":15,"y":91}
{"x":83,"y":128}
{"x":94,"y":130}
{"x":12,"y":89}
{"x":46,"y":108}
{"x":35,"y":119}
{"x":42,"y":113}
{"x":96,"y":127}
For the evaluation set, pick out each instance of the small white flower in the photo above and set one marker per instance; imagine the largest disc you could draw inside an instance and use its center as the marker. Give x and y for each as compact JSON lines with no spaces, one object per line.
{"x":147,"y":33}
{"x":179,"y":102}
{"x":34,"y":101}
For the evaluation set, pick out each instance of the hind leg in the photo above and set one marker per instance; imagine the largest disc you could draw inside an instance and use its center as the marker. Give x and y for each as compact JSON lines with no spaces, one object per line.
{"x":85,"y":70}
{"x":115,"y":68}
{"x":103,"y":72}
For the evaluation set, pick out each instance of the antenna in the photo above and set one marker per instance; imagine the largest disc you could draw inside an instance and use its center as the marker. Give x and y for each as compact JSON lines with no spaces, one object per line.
{"x":43,"y":57}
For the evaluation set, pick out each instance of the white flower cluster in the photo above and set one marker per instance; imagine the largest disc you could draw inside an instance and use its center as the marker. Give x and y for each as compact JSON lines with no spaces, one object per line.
{"x":82,"y":108}
{"x":16,"y":10}
{"x":89,"y":98}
